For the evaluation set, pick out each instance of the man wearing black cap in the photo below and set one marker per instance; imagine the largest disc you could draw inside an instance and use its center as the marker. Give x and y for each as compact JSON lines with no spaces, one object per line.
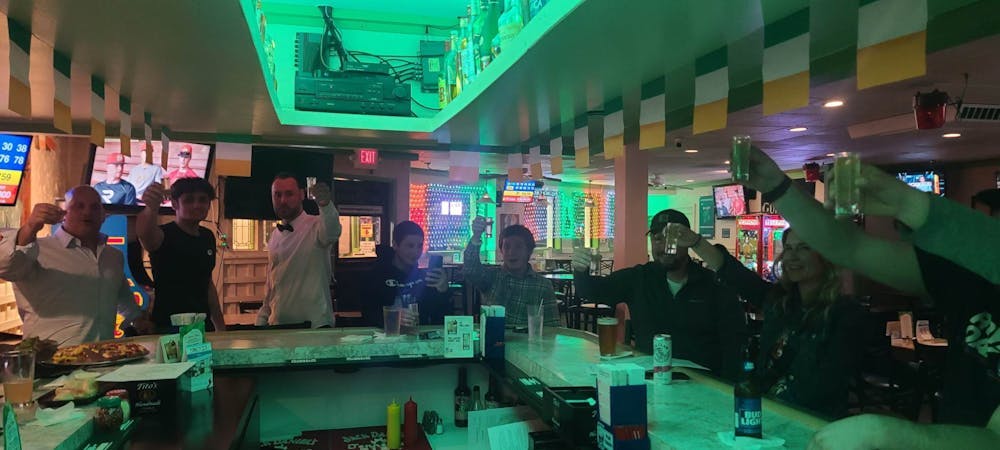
{"x":673,"y":295}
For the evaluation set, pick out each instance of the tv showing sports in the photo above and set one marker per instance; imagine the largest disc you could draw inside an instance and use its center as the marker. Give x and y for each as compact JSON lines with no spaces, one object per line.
{"x":121,"y":180}
{"x":729,"y":201}
{"x":926,"y":181}
{"x":13,"y":156}
{"x":518,"y":191}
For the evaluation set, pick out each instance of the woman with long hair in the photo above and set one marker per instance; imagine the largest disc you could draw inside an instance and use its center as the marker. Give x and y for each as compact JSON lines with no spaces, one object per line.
{"x":812,"y":337}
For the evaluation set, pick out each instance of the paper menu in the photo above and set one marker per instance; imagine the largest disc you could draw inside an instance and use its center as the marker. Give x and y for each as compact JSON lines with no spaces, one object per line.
{"x":514,"y":436}
{"x":458,"y":337}
{"x":906,"y":324}
{"x":145,"y":372}
{"x":481,"y":421}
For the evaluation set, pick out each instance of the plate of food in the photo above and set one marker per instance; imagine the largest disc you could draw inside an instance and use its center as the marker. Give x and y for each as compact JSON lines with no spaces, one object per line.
{"x":97,"y":354}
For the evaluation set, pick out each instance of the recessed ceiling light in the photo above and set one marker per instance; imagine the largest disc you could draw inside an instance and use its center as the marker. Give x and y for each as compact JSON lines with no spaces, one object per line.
{"x":690,"y":150}
{"x":833,"y":104}
{"x":797,"y":129}
{"x":727,"y":162}
{"x":721,"y":171}
{"x":689,"y":181}
{"x":951,"y":135}
{"x":830,"y":155}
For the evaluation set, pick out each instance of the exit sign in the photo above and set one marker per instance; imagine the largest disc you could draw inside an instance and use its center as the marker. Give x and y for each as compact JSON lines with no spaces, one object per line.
{"x":366,"y":158}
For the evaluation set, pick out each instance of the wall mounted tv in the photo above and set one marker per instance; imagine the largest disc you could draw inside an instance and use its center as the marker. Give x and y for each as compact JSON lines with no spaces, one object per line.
{"x":13,"y":156}
{"x":121,"y":180}
{"x":730,"y":201}
{"x":926,"y":181}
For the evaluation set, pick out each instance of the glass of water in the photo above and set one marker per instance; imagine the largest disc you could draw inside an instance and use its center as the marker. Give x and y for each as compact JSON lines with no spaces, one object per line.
{"x":535,"y":321}
{"x":739,"y":160}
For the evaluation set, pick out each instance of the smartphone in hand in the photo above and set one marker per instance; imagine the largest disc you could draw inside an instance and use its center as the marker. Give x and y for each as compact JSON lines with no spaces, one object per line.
{"x":435,"y":262}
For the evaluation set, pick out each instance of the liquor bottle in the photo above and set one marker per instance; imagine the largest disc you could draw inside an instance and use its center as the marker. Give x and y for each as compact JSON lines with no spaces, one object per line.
{"x":493,"y":11}
{"x":510,"y":22}
{"x":477,"y":399}
{"x":451,"y":64}
{"x":478,"y":24}
{"x":747,"y":394}
{"x":444,"y":83}
{"x":462,"y":400}
{"x":491,"y":400}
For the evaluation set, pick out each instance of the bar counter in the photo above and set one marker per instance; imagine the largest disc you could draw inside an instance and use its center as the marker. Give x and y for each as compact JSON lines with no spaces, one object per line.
{"x":301,"y":380}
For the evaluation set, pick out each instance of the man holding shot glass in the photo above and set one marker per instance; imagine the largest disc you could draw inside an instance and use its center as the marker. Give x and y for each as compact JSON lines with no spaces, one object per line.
{"x":513,"y":285}
{"x":672,"y":295}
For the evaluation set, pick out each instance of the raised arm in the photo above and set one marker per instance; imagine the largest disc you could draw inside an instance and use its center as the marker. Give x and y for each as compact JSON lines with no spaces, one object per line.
{"x":871,"y":431}
{"x":18,"y":251}
{"x":147,"y":226}
{"x":962,"y":235}
{"x":473,"y":269}
{"x":612,"y":288}
{"x":750,"y":286}
{"x":840,"y":242}
{"x":331,"y":217}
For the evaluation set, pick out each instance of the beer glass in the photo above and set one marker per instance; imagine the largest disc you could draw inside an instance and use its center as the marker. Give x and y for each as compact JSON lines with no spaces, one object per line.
{"x":846,"y":173}
{"x":607,"y":335}
{"x":739,"y":160}
{"x":18,"y":382}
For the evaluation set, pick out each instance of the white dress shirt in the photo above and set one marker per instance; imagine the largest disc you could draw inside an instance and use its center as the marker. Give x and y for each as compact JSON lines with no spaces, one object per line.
{"x":64,"y":291}
{"x":299,"y":269}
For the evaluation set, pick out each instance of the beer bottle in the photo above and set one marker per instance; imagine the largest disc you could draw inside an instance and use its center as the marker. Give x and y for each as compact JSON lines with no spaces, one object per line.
{"x":491,"y":400}
{"x":462,"y":400}
{"x":747,"y":394}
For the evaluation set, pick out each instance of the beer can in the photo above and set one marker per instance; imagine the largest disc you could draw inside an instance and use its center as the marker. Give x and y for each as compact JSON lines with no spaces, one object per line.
{"x":662,"y":359}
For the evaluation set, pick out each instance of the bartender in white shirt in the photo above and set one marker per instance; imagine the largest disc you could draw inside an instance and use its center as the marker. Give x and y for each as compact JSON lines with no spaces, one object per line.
{"x":68,"y":286}
{"x":299,"y":267}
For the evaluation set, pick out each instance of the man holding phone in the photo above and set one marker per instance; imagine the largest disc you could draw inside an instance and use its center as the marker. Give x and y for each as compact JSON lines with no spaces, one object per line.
{"x":396,"y":281}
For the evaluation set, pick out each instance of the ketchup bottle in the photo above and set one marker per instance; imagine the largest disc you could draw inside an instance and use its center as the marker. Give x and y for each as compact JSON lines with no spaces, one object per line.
{"x":410,"y":425}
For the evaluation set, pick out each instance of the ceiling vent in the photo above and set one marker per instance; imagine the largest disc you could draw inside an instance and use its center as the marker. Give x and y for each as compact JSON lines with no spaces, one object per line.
{"x":971,"y":112}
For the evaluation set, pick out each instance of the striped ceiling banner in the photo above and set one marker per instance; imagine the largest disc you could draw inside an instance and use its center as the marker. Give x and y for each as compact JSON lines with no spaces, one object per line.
{"x":515,"y":167}
{"x":785,"y":65}
{"x":892,"y":41}
{"x":147,"y":131}
{"x":711,"y":92}
{"x":19,"y":87}
{"x":614,"y":142}
{"x":125,"y":124}
{"x":97,"y":130}
{"x":556,"y":156}
{"x":62,"y":118}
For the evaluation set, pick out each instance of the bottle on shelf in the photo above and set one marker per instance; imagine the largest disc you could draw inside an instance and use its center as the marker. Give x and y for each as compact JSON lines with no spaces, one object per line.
{"x":478,"y":23}
{"x":492,"y":399}
{"x":746,"y":394}
{"x":453,"y":61}
{"x":444,"y":78}
{"x":489,"y":32}
{"x":477,"y":399}
{"x":462,"y":399}
{"x":510,"y":22}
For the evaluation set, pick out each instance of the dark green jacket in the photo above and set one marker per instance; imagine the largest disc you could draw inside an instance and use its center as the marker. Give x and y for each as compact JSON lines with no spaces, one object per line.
{"x":705,"y":320}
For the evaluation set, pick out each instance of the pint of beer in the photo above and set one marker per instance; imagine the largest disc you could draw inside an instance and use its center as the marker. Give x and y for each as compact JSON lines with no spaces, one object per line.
{"x":607,"y":335}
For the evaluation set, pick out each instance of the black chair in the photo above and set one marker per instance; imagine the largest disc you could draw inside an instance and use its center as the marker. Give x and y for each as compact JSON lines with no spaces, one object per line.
{"x":607,"y":266}
{"x":582,"y":315}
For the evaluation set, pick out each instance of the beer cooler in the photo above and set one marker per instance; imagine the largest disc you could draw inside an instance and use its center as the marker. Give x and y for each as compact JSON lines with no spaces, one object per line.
{"x":758,"y":242}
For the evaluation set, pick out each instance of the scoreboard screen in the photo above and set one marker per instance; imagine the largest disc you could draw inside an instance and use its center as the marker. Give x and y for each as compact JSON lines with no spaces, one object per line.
{"x":13,"y":158}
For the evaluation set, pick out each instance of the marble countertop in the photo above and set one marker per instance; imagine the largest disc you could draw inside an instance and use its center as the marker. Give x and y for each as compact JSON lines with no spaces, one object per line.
{"x":682,"y":415}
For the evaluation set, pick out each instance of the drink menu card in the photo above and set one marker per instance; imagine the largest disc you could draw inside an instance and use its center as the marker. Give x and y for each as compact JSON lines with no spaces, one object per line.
{"x":458,"y":336}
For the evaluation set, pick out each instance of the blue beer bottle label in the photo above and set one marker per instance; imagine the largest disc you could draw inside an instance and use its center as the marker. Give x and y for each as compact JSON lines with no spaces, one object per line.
{"x":748,"y":417}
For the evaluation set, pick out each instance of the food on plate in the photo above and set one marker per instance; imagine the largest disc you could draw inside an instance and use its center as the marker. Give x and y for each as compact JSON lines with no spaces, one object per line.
{"x":99,"y":352}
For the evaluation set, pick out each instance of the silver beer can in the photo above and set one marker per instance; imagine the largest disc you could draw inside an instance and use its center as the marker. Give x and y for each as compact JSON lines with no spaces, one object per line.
{"x":663,"y":350}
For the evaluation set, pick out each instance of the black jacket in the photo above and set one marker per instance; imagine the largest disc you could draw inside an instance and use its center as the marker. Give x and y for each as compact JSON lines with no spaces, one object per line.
{"x":810,"y":364}
{"x":706,"y":322}
{"x":381,"y":285}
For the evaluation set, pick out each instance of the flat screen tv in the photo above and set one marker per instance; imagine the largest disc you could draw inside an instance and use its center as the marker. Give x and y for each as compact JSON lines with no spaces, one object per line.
{"x":518,"y":191}
{"x":13,"y":156}
{"x":730,"y":201}
{"x":121,"y":180}
{"x":926,"y":181}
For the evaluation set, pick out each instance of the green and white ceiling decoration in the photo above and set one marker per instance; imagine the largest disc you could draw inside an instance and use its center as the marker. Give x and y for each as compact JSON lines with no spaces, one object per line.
{"x":570,"y":61}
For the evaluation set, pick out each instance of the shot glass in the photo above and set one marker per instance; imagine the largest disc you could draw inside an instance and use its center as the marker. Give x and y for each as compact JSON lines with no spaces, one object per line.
{"x":847,"y":193}
{"x":739,"y":160}
{"x":310,"y":183}
{"x":671,"y":237}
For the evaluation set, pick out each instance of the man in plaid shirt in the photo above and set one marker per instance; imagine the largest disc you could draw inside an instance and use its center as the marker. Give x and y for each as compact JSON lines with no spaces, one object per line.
{"x":513,"y":285}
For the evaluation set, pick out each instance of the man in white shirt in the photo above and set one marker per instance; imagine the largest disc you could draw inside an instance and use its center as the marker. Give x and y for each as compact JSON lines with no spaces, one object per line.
{"x":68,"y":286}
{"x":298,"y":266}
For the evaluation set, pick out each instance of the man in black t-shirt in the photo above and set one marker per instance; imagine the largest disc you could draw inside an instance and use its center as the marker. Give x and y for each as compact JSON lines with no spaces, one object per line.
{"x":182,"y":253}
